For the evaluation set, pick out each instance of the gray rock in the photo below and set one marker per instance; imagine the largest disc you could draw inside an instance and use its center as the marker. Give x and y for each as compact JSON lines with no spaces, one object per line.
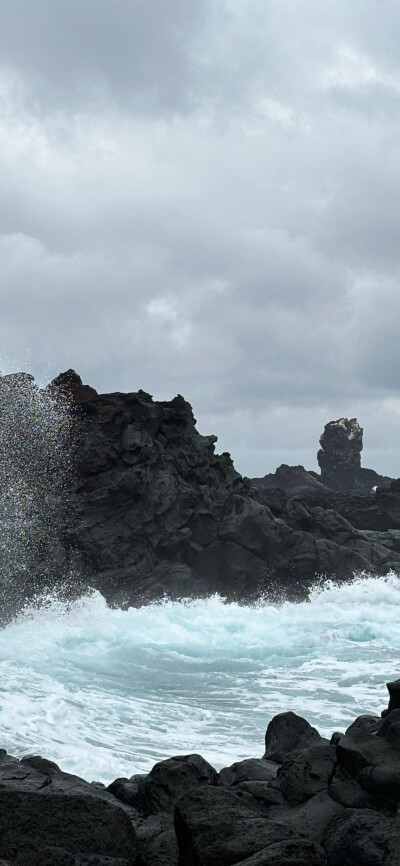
{"x":309,"y":819}
{"x":293,"y":852}
{"x":157,"y":845}
{"x":263,"y":793}
{"x":307,"y":772}
{"x":170,"y":779}
{"x":212,"y":826}
{"x":359,"y":837}
{"x":286,"y":733}
{"x":359,"y":748}
{"x":251,"y":769}
{"x":349,"y":793}
{"x":32,"y":820}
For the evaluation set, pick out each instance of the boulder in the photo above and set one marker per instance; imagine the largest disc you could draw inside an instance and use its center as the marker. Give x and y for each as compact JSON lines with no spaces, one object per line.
{"x":43,"y":809}
{"x":170,"y":779}
{"x":31,"y":821}
{"x":156,"y":840}
{"x":286,"y":733}
{"x":358,"y":837}
{"x":293,"y":852}
{"x":307,"y":772}
{"x":249,"y":770}
{"x":212,"y":826}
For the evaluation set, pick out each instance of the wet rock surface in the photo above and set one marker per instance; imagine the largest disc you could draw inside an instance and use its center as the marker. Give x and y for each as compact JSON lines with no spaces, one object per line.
{"x":147,"y":507}
{"x":156,"y":510}
{"x":322,"y":804}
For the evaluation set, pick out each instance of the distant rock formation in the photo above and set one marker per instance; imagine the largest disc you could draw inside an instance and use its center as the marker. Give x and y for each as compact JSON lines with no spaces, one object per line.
{"x":340,"y":458}
{"x":340,"y":461}
{"x":293,"y":479}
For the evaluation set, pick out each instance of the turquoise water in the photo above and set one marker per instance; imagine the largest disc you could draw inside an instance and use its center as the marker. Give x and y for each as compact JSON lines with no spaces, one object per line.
{"x":106,"y":693}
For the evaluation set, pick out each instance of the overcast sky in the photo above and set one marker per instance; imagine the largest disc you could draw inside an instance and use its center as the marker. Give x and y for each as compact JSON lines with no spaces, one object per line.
{"x":203,"y":197}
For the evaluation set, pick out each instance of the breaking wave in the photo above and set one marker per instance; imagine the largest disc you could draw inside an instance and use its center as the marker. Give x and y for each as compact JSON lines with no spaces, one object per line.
{"x":106,"y":693}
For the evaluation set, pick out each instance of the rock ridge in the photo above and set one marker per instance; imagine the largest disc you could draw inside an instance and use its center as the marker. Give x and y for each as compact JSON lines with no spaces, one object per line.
{"x":149,"y":509}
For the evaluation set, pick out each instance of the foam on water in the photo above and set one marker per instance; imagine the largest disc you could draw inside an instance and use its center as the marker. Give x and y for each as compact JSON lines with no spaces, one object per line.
{"x":106,"y":693}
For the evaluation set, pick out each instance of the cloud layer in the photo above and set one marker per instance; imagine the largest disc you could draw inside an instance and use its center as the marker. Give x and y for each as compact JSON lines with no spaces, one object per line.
{"x":203,"y":198}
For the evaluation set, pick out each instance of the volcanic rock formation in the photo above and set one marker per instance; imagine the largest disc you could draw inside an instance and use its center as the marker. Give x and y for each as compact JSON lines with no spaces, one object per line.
{"x":340,"y":461}
{"x":340,"y":458}
{"x":150,"y":509}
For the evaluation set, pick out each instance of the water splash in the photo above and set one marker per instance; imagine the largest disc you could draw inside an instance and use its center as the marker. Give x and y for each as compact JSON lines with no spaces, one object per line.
{"x":35,"y":476}
{"x":106,"y":693}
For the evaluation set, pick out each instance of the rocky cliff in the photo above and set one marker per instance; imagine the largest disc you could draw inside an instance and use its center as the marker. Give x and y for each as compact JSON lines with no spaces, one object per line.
{"x":146,"y":507}
{"x":157,"y":511}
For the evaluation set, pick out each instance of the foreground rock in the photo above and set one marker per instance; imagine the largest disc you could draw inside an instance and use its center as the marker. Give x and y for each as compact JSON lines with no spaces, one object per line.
{"x":318,"y":803}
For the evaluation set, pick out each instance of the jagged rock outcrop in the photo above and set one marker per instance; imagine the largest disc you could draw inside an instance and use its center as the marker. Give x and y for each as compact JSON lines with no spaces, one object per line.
{"x":147,"y":507}
{"x":294,"y":479}
{"x":308,"y":802}
{"x":157,"y":511}
{"x":340,"y":458}
{"x":340,"y":461}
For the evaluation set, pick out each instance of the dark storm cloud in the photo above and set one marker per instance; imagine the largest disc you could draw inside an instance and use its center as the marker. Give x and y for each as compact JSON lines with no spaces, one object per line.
{"x":80,"y":51}
{"x":204,"y":198}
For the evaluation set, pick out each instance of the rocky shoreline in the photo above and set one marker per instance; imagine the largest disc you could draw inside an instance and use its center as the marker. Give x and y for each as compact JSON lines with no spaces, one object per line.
{"x":307,"y":802}
{"x":147,"y":508}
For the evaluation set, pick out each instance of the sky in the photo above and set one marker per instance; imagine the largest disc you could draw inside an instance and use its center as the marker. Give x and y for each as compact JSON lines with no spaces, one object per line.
{"x":203,"y":198}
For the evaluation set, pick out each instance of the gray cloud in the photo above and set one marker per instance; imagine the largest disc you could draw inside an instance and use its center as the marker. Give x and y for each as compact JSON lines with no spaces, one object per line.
{"x":203,"y":198}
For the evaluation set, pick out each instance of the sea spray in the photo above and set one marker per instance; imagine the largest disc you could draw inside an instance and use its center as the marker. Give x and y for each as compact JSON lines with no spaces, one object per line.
{"x":106,"y":693}
{"x":35,"y":478}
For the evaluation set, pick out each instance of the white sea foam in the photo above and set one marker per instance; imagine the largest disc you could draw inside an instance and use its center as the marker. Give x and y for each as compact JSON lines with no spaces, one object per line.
{"x":106,"y":693}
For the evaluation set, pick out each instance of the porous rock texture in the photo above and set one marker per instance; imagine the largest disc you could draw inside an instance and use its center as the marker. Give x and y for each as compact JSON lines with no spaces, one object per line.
{"x":148,"y":508}
{"x":319,"y":803}
{"x":158,"y":511}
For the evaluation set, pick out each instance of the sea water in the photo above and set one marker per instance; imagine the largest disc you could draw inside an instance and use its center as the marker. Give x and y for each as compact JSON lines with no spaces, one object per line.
{"x":107,"y":693}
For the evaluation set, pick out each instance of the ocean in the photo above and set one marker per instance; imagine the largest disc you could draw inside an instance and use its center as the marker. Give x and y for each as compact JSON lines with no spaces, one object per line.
{"x":106,"y":693}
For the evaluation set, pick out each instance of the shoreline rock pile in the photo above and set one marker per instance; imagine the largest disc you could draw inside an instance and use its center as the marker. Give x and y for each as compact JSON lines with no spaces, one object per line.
{"x":307,"y":802}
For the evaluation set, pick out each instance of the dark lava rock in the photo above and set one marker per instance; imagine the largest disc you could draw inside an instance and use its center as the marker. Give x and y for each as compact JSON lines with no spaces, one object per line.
{"x":156,"y":839}
{"x":349,"y":793}
{"x":130,"y":791}
{"x":394,"y":695}
{"x":307,"y":772}
{"x":31,"y":821}
{"x":50,"y":856}
{"x":359,"y":837}
{"x":170,"y":779}
{"x":150,"y":509}
{"x":309,"y":819}
{"x":263,"y":793}
{"x":249,"y":770}
{"x":292,"y":852}
{"x":340,"y":453}
{"x":360,"y":748}
{"x":340,"y":458}
{"x":294,"y":479}
{"x":43,"y":809}
{"x":286,"y":733}
{"x":213,"y":826}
